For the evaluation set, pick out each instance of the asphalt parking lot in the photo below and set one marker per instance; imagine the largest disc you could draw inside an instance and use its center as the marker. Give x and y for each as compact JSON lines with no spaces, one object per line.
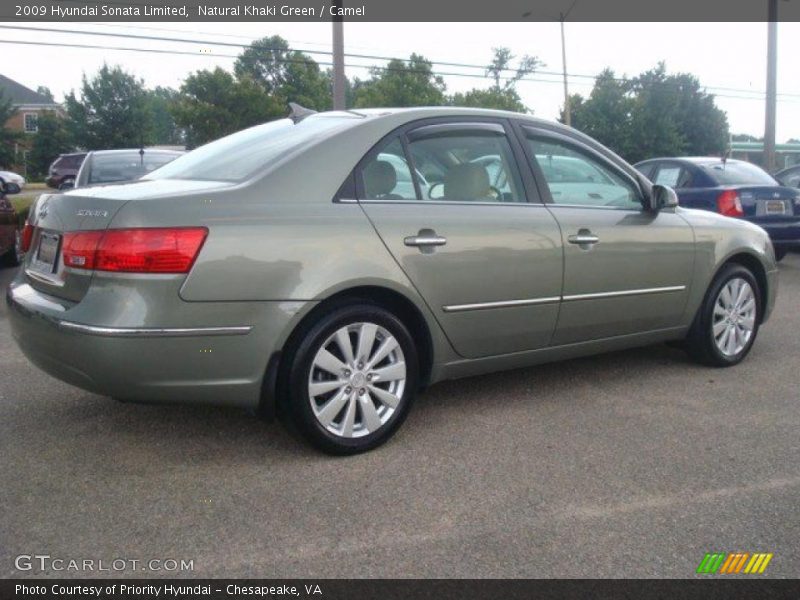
{"x":632,"y":464}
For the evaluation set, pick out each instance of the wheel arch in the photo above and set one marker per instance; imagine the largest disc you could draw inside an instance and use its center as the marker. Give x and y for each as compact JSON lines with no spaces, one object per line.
{"x":752,"y":263}
{"x":396,"y":302}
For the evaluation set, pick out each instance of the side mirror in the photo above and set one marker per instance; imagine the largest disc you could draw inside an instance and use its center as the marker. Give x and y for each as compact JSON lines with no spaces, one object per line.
{"x":11,"y":188}
{"x":662,"y":196}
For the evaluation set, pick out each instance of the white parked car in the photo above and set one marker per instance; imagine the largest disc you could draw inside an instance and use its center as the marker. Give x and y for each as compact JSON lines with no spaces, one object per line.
{"x":11,"y":177}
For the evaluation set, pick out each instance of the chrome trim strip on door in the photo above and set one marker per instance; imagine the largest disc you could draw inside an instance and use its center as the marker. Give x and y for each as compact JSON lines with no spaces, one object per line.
{"x":502,"y":304}
{"x":659,"y":290}
{"x":152,"y":331}
{"x":551,"y":299}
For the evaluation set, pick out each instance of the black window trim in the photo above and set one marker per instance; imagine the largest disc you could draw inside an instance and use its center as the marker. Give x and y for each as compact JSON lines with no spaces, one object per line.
{"x":527,"y":130}
{"x":500,"y":126}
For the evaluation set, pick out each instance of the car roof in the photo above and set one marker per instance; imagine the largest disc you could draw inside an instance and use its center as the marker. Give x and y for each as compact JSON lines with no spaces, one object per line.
{"x":134,"y":150}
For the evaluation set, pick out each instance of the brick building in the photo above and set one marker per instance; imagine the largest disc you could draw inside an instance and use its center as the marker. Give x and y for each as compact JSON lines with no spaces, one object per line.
{"x":28,"y":104}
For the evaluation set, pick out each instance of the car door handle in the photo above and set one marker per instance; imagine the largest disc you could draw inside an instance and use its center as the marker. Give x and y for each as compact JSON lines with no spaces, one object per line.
{"x":425,"y":240}
{"x":583,"y":238}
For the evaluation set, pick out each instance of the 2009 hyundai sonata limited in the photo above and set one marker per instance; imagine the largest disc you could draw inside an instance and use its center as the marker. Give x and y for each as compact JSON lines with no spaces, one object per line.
{"x":329,"y":266}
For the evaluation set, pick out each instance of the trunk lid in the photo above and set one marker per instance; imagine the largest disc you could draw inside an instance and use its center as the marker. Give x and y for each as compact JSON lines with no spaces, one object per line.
{"x":86,"y":209}
{"x":769,"y":203}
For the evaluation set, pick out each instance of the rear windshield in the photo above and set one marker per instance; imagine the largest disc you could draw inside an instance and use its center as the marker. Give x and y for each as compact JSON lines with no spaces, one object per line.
{"x":238,"y":157}
{"x":738,"y":173}
{"x":126,"y":166}
{"x":69,"y":162}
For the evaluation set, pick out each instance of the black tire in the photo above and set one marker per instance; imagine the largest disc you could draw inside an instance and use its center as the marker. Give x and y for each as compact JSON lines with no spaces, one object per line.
{"x":700,"y":343}
{"x":780,"y":253}
{"x":294,"y":380}
{"x":63,"y":185}
{"x":12,"y":257}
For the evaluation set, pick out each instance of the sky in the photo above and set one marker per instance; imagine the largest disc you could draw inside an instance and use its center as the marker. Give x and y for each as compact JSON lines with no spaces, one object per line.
{"x":721,"y":55}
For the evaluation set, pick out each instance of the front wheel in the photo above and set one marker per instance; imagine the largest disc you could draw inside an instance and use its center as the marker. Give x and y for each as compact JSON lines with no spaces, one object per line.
{"x":352,"y":379}
{"x":727,"y":324}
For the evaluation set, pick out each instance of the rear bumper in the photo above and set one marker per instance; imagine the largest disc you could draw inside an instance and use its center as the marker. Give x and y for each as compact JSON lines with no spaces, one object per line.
{"x":207,"y":364}
{"x":782,"y":234}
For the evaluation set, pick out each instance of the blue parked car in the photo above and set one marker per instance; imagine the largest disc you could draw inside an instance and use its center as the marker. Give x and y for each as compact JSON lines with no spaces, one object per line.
{"x":734,"y":188}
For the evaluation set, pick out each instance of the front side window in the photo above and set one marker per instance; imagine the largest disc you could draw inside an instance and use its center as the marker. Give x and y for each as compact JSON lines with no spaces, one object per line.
{"x":579,"y":179}
{"x":466,"y":166}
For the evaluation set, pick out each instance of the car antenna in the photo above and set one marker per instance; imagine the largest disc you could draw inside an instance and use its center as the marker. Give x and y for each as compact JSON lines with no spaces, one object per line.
{"x":297,"y":113}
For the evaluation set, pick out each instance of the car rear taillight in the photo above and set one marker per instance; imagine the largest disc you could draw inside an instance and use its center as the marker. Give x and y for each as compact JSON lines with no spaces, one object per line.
{"x":26,"y":237}
{"x":162,"y":250}
{"x":729,"y":204}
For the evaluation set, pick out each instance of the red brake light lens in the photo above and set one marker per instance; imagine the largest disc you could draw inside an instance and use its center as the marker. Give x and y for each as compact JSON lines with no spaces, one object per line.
{"x":729,"y":204}
{"x":80,"y":248}
{"x":26,"y":237}
{"x":162,"y":250}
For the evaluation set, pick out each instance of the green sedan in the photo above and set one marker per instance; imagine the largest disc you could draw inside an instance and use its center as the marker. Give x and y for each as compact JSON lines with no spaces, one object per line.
{"x":327,"y":267}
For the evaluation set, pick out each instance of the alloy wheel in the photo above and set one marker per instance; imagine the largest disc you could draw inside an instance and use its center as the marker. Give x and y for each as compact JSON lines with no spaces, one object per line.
{"x":734,"y":316}
{"x":357,"y":380}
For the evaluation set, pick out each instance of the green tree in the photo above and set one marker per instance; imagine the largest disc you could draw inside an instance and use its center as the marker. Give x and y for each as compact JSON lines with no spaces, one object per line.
{"x":401,"y":83}
{"x":605,"y":115}
{"x":264,"y":61}
{"x":162,"y":129}
{"x":653,"y":114}
{"x":502,"y":94}
{"x":7,"y":137}
{"x":45,"y":91}
{"x":288,"y":75}
{"x":212,"y":104}
{"x":110,"y":113}
{"x":50,"y":140}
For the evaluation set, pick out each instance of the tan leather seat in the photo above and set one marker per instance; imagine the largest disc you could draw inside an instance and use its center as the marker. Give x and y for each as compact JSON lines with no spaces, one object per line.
{"x":380,"y":178}
{"x":467,"y":181}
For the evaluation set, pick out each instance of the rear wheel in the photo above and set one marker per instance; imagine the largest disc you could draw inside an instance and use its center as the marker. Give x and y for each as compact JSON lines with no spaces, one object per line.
{"x":352,"y":379}
{"x":727,"y":323}
{"x":13,"y":256}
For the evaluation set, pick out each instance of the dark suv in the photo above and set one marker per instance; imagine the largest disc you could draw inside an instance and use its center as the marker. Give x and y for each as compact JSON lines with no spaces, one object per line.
{"x":64,"y":169}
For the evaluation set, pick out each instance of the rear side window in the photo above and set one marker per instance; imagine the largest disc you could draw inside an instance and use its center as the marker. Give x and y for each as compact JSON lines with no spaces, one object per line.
{"x":388,"y":176}
{"x":674,"y":176}
{"x":467,"y":166}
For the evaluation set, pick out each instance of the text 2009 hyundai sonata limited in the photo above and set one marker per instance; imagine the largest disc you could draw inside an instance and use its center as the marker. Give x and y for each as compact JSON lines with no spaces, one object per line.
{"x":331,"y":265}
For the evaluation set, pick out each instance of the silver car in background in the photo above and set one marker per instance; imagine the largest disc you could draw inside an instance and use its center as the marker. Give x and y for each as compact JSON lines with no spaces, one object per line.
{"x":328,"y":267}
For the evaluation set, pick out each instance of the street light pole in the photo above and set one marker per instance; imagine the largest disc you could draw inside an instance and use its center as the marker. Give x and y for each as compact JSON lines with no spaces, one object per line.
{"x":567,"y":115}
{"x":338,"y":59}
{"x":772,"y":85}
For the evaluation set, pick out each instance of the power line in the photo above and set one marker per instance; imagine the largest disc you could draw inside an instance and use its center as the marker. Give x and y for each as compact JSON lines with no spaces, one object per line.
{"x":760,"y":94}
{"x":328,"y":64}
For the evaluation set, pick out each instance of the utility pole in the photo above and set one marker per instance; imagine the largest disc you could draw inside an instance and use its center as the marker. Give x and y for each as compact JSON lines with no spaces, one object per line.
{"x":772,"y":85}
{"x":338,"y":59}
{"x":567,"y":115}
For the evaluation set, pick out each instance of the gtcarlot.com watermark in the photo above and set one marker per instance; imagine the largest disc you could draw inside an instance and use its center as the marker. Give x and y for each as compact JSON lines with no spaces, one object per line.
{"x":47,"y":563}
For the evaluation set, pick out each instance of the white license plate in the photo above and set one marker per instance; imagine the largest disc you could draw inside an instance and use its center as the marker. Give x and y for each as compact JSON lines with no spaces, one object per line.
{"x":775,"y":207}
{"x":47,"y":252}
